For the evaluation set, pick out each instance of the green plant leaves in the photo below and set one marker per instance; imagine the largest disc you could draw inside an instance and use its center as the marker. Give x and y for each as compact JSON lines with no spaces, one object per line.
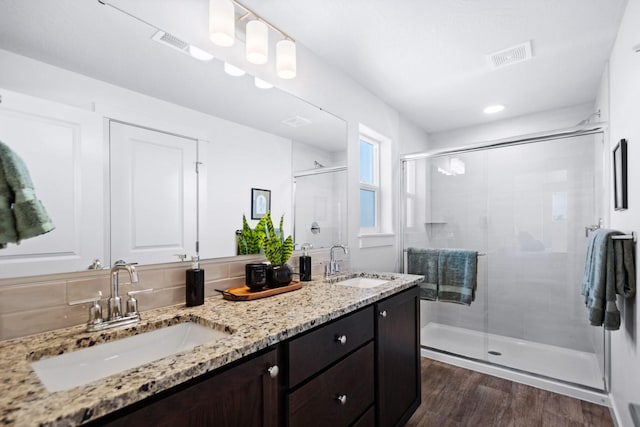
{"x":250,"y":241}
{"x":277,"y":249}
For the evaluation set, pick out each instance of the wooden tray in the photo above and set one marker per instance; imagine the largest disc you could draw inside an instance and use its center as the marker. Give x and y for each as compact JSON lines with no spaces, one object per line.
{"x":242,"y":293}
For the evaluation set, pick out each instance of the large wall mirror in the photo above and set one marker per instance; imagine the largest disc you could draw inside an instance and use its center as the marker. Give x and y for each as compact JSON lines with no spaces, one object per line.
{"x":138,"y":150}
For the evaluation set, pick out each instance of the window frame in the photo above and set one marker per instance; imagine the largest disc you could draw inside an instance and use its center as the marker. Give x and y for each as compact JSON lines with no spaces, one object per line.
{"x":374,"y":186}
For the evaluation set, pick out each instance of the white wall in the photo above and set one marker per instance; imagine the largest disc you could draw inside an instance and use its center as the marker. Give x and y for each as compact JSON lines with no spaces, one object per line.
{"x":624,"y":95}
{"x":539,"y":122}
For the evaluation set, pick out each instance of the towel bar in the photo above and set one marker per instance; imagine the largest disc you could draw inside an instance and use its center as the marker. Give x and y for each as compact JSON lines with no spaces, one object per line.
{"x":479,"y":253}
{"x":633,"y":236}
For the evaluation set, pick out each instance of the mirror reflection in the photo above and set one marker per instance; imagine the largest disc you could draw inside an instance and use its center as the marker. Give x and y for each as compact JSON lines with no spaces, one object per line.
{"x":143,"y":153}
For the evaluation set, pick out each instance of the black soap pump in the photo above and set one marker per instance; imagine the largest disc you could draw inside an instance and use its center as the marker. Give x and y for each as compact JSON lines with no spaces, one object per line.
{"x":195,"y":284}
{"x":305,"y":264}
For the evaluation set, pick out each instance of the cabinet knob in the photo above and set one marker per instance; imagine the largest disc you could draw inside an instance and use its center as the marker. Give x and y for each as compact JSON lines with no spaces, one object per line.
{"x":273,"y":371}
{"x":342,"y":339}
{"x":383,"y":313}
{"x":342,"y":399}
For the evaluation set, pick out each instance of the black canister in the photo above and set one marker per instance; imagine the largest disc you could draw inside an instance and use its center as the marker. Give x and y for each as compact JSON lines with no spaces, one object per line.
{"x":255,"y":276}
{"x":305,"y":264}
{"x":195,"y":285}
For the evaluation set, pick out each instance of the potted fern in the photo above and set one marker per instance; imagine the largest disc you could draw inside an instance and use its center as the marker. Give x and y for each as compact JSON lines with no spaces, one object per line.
{"x":278,"y":250}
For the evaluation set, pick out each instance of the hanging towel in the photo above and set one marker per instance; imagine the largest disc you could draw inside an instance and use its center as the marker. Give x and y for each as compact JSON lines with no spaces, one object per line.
{"x":425,"y":262}
{"x":22,"y":215}
{"x":609,"y":270}
{"x":457,"y":275}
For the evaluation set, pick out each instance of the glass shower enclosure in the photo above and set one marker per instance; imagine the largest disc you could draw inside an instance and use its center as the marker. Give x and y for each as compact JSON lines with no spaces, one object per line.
{"x":524,"y":208}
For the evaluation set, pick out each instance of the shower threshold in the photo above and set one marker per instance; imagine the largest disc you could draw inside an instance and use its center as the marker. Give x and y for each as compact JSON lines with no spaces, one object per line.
{"x":569,"y":372}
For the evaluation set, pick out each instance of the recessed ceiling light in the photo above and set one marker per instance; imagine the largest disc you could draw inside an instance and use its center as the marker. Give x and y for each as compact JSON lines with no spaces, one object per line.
{"x":491,"y":109}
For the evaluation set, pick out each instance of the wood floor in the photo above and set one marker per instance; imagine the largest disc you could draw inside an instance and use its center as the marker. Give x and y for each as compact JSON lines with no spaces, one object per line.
{"x":453,"y":396}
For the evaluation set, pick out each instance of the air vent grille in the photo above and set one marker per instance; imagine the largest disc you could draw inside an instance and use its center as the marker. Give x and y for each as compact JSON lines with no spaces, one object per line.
{"x":510,"y":56}
{"x":171,"y":41}
{"x":296,"y":121}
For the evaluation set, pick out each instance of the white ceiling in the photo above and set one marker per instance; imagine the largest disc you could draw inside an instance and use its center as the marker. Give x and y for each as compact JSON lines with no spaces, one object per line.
{"x":425,"y":58}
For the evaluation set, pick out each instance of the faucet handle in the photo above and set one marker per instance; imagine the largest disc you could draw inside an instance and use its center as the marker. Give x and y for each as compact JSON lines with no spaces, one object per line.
{"x":132,"y":302}
{"x":95,"y":311}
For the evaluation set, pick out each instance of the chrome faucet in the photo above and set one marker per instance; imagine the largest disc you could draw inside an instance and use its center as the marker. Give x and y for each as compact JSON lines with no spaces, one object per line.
{"x":333,"y":267}
{"x":115,"y":315}
{"x":115,"y":304}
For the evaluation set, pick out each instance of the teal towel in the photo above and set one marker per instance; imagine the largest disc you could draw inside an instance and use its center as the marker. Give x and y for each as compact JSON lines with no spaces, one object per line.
{"x":457,"y":276}
{"x":425,"y":262}
{"x":609,"y":270}
{"x":22,"y":215}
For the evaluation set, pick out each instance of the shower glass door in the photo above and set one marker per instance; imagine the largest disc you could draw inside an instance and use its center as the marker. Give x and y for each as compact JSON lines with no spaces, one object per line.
{"x":524,"y":209}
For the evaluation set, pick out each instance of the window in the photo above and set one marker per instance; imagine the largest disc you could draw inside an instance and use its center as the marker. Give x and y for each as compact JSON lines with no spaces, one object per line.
{"x":369,"y":184}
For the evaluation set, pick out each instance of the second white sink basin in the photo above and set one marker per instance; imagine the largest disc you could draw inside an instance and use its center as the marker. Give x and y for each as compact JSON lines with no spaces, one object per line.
{"x":363,"y":282}
{"x":70,"y":370}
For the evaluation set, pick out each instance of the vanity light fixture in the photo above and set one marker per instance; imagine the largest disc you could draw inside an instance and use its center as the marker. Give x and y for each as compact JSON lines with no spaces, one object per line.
{"x":261,"y":84}
{"x":286,"y":59}
{"x":234,"y":71}
{"x":222,"y":22}
{"x":492,"y":109}
{"x":257,"y":42}
{"x":222,"y":19}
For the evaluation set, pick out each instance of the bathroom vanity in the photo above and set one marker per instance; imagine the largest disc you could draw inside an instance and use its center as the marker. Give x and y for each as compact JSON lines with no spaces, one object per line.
{"x":327,"y":354}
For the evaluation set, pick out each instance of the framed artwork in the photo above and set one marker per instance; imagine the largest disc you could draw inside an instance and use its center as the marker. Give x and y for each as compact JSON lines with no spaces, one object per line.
{"x":260,"y":202}
{"x":620,"y":175}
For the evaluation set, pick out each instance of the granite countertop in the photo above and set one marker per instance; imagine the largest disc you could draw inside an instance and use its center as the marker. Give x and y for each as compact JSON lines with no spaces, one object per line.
{"x":253,"y":326}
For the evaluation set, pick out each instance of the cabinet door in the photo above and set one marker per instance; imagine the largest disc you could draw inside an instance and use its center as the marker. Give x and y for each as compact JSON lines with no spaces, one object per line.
{"x":153,"y":194}
{"x":246,"y":395}
{"x":62,"y":148}
{"x":398,"y":357}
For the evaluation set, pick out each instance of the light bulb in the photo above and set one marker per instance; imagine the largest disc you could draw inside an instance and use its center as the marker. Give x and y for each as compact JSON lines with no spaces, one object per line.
{"x":286,"y":59}
{"x":257,"y":42}
{"x":222,"y":25}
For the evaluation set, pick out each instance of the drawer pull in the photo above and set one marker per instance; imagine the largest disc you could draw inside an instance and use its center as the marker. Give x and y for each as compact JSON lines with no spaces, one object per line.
{"x":273,"y":371}
{"x":342,"y":399}
{"x":383,"y":313}
{"x":342,"y":339}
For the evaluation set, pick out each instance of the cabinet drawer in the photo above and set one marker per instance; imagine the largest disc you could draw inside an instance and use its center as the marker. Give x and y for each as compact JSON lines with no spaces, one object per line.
{"x":368,"y":419}
{"x":318,"y":403}
{"x":318,"y":349}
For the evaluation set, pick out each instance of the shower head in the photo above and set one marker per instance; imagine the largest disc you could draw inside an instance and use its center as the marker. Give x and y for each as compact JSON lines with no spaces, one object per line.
{"x":588,"y":119}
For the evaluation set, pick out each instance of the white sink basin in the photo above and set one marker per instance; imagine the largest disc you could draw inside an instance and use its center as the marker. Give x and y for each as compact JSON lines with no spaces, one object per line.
{"x":81,"y":367}
{"x":363,"y":282}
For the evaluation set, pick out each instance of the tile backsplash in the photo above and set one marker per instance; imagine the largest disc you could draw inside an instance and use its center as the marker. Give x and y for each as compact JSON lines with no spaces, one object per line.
{"x":30,"y":305}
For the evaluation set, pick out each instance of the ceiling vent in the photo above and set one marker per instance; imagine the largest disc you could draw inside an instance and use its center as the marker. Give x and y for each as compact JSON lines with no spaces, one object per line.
{"x":296,"y":121}
{"x":511,"y":55}
{"x":171,"y":41}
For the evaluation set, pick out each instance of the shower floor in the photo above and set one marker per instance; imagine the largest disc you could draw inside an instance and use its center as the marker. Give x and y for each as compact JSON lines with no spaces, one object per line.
{"x":572,"y":366}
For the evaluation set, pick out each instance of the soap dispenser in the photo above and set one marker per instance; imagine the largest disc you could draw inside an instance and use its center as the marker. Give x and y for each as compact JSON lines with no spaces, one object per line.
{"x":305,"y":264}
{"x":195,"y":284}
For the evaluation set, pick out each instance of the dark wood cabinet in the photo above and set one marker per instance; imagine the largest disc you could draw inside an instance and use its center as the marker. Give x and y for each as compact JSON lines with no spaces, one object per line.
{"x":397,"y":358}
{"x":245,"y":395}
{"x":362,"y":369}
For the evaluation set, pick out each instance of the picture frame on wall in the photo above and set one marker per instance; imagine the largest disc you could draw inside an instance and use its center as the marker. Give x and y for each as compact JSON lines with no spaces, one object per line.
{"x":620,"y":175}
{"x":260,"y":202}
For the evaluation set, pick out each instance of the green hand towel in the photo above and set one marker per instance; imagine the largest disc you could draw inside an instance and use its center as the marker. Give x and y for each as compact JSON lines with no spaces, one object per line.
{"x":22,"y":215}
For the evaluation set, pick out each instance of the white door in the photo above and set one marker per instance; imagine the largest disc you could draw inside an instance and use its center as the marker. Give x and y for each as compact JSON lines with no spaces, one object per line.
{"x":62,"y":148}
{"x":153,"y":195}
